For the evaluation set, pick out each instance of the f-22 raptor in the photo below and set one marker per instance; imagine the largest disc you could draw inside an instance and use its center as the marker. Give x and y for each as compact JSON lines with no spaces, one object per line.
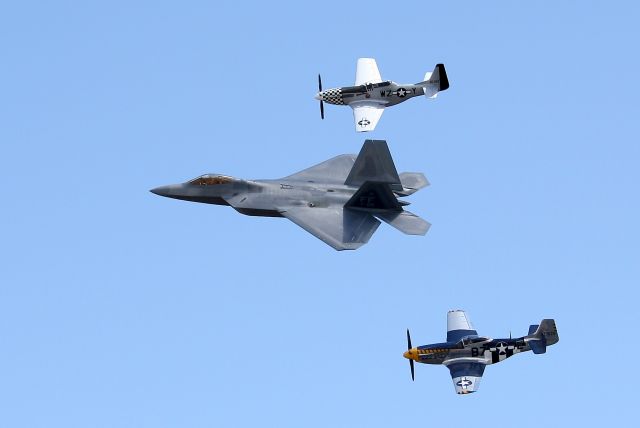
{"x":340,"y":201}
{"x":371,"y":95}
{"x":466,"y":354}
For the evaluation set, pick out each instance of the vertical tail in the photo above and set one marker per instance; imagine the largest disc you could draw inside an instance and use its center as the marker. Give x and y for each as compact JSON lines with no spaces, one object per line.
{"x":435,"y":81}
{"x":374,"y":163}
{"x":542,"y":335}
{"x":375,"y":174}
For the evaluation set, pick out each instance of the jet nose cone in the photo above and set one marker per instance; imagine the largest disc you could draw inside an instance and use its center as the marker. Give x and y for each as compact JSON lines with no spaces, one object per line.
{"x":161,"y":191}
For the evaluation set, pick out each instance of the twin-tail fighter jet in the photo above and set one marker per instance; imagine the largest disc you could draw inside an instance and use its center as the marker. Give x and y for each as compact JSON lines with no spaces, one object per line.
{"x":340,"y":201}
{"x":466,"y":354}
{"x":371,"y":95}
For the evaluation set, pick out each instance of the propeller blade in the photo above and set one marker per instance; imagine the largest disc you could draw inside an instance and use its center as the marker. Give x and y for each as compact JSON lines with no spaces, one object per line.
{"x":413,"y":376}
{"x":321,"y":103}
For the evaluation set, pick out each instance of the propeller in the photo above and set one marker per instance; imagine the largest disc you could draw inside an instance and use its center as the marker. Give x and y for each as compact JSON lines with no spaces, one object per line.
{"x":321,"y":103}
{"x":410,"y":361}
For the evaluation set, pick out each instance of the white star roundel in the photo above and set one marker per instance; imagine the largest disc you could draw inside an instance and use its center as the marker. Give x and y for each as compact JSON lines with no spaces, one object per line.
{"x":464,"y":383}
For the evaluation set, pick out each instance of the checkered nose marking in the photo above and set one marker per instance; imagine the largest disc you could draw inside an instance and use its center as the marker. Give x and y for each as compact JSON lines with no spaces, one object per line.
{"x":331,"y":96}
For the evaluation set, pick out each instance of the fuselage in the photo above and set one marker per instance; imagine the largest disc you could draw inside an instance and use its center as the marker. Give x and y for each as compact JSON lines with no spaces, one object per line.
{"x":264,"y":198}
{"x":384,"y":93}
{"x":472,"y":349}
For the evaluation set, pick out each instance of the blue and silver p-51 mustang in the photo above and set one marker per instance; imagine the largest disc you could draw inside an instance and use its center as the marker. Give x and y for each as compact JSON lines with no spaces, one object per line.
{"x":466,"y":354}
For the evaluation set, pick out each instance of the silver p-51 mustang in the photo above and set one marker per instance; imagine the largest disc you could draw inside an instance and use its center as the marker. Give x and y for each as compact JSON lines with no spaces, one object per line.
{"x":466,"y":354}
{"x":371,"y":95}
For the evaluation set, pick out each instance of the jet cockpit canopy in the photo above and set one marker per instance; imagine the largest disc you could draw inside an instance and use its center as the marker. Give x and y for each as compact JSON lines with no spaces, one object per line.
{"x":211,"y":180}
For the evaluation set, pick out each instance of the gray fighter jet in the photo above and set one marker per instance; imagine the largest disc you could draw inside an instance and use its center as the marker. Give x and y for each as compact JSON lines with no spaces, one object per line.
{"x":339,"y":201}
{"x":370,"y":95}
{"x":466,"y":354}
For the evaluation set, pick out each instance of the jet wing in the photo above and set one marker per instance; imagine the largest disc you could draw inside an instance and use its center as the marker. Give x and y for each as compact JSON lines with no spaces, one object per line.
{"x":466,"y":376}
{"x":366,"y":117}
{"x":340,"y":228}
{"x":332,"y":171}
{"x":367,"y":71}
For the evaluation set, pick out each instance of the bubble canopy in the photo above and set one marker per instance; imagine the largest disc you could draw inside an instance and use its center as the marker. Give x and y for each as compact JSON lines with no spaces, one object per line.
{"x":211,"y":180}
{"x":469,"y":340}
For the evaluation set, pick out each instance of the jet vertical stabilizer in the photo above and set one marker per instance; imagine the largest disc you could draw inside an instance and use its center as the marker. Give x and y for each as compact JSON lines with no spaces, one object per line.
{"x":375,"y":173}
{"x":374,"y":163}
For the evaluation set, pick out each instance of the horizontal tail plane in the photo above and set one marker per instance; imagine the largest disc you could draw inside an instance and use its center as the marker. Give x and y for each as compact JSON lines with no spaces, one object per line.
{"x":380,"y":184}
{"x":411,"y":183}
{"x":406,"y":222}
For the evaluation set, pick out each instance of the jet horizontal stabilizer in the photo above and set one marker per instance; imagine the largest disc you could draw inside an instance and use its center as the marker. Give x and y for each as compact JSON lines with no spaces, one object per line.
{"x":412,"y":182}
{"x":406,"y":222}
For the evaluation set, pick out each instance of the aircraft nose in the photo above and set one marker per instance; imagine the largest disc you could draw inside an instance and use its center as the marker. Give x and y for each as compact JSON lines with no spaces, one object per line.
{"x":411,"y":354}
{"x":318,"y":96}
{"x":161,"y":191}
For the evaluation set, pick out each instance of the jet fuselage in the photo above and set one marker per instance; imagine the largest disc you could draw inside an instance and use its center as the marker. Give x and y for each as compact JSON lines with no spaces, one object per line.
{"x":264,"y":198}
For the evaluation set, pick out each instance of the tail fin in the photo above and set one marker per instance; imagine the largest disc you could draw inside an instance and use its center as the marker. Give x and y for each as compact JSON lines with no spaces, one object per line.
{"x":374,"y":163}
{"x":376,"y":175}
{"x":542,"y":335}
{"x":435,"y":81}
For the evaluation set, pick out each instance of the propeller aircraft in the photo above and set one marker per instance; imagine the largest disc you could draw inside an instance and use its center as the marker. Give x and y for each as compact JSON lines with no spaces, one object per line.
{"x":371,"y":95}
{"x":466,"y":354}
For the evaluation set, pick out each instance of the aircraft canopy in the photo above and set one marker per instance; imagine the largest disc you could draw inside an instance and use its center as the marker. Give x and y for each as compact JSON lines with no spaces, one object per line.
{"x":211,"y":180}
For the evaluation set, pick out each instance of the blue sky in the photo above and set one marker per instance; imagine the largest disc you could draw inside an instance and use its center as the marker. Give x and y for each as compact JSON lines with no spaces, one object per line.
{"x":121,"y":308}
